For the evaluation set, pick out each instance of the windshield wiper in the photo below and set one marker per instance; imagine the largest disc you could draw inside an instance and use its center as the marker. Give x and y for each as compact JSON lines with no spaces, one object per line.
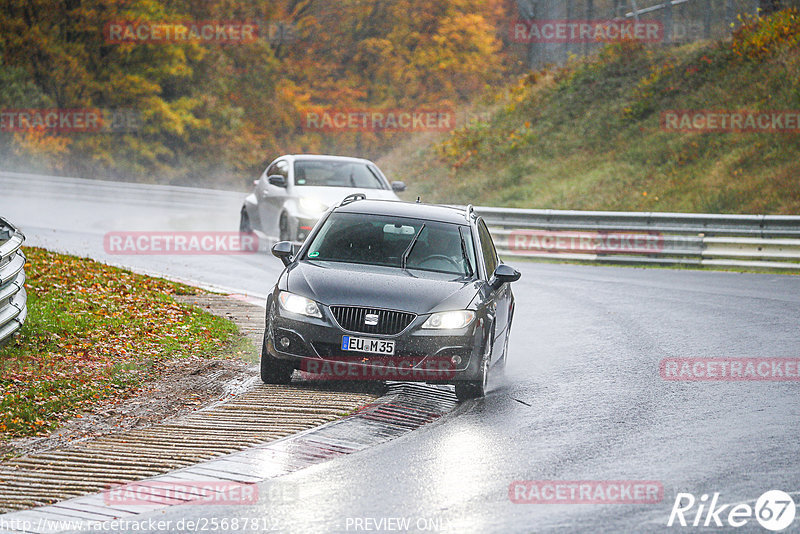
{"x":411,"y":247}
{"x":464,"y":253}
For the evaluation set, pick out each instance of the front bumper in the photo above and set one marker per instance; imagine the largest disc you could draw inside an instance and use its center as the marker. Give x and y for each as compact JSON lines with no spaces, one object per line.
{"x":315,"y":345}
{"x":300,"y":223}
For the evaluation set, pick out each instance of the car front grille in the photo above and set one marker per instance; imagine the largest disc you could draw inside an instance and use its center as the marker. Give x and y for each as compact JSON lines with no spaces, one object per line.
{"x":354,"y":319}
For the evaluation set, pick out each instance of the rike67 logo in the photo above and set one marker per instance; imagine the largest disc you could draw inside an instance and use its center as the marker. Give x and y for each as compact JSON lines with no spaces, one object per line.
{"x":774,"y":510}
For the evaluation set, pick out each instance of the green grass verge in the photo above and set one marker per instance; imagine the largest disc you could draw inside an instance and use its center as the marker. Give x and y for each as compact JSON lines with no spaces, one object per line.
{"x":94,"y":332}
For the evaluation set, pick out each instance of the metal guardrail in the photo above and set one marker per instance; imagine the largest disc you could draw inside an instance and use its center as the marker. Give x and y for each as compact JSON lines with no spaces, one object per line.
{"x":764,"y":241}
{"x":13,"y":299}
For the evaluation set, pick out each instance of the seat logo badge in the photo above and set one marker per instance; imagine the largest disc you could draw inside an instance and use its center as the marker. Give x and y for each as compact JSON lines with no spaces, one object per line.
{"x":371,"y":319}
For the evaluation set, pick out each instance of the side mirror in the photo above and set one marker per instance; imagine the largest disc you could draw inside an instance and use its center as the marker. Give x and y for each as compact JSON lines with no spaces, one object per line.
{"x":283,"y":250}
{"x":277,"y":180}
{"x":398,"y":187}
{"x":503,"y":275}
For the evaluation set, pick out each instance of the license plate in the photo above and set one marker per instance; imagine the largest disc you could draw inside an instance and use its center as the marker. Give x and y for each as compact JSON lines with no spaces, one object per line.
{"x":362,"y":344}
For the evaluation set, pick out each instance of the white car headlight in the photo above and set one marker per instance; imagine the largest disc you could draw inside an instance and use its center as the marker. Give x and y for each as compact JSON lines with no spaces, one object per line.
{"x":312,"y":206}
{"x":452,"y":320}
{"x":300,"y":305}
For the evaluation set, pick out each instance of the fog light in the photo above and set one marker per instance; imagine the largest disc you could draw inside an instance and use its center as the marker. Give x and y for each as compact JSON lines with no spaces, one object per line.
{"x":284,"y":342}
{"x":456,"y":359}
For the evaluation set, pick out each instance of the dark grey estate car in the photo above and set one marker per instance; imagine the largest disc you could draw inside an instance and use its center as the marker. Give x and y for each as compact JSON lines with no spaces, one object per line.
{"x":388,"y":290}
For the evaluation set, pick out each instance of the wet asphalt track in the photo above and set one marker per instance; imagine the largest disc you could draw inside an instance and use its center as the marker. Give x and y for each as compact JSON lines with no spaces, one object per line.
{"x":583,"y":399}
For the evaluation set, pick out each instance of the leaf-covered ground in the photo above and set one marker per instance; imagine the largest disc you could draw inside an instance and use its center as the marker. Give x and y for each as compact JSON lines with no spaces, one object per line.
{"x":94,"y":333}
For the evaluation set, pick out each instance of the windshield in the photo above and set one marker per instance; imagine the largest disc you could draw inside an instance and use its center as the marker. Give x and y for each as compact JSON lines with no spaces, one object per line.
{"x":392,"y":241}
{"x":323,"y":173}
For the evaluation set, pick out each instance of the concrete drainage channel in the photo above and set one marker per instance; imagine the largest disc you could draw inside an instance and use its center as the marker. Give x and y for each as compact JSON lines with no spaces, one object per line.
{"x":261,"y":414}
{"x":275,"y":429}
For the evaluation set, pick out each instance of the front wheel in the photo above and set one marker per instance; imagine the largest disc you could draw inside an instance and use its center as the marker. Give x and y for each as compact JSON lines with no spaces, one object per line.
{"x":244,"y":223}
{"x":476,"y":389}
{"x":274,"y":371}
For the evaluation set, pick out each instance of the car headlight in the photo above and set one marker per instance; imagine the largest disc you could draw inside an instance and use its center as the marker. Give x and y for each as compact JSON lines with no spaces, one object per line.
{"x":452,"y":320}
{"x":300,"y":305}
{"x":312,"y":206}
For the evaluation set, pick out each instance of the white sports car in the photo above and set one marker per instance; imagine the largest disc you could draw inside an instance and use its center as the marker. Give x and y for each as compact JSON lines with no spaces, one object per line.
{"x":295,"y":190}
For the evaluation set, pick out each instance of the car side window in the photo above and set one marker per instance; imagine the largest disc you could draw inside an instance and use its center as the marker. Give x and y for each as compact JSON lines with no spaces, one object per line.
{"x":487,"y":247}
{"x":282,"y":168}
{"x":270,"y":170}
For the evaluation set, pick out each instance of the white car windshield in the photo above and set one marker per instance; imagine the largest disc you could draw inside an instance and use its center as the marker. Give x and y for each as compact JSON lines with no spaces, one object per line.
{"x":322,"y":173}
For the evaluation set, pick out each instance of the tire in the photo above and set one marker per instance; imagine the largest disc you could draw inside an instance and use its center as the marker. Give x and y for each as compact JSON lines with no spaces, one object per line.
{"x":273,"y":371}
{"x":477,"y":389}
{"x":283,"y":229}
{"x":244,"y":223}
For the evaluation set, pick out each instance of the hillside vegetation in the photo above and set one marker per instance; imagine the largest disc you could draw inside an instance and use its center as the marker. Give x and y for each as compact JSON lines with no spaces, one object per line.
{"x":589,"y":135}
{"x":211,"y":113}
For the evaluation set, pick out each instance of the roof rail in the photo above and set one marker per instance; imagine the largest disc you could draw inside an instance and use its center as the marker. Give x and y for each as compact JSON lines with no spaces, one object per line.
{"x":470,"y":211}
{"x":352,"y":198}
